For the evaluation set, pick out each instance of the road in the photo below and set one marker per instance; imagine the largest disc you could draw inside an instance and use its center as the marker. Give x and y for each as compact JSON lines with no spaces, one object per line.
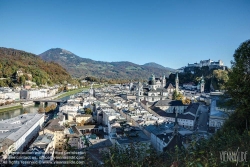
{"x":202,"y":123}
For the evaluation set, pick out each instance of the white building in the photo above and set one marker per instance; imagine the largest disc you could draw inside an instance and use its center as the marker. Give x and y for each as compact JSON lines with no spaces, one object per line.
{"x":189,"y":86}
{"x":13,"y":95}
{"x":34,"y":93}
{"x":21,"y":129}
{"x":109,"y":115}
{"x":70,"y":107}
{"x":186,"y":116}
{"x":217,"y":117}
{"x":208,"y":62}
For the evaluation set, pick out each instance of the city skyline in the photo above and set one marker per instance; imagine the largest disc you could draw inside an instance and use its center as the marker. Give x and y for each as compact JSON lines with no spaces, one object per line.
{"x":169,"y":33}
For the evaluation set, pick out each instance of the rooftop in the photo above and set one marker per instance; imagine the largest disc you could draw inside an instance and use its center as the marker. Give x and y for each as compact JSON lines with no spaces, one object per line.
{"x":15,"y":133}
{"x":169,"y":102}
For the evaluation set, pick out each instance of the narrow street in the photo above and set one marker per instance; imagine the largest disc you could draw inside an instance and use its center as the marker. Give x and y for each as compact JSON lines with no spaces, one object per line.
{"x":202,"y":124}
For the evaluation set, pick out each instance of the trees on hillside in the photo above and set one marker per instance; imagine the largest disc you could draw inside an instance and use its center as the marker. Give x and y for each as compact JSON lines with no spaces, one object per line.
{"x":221,"y":78}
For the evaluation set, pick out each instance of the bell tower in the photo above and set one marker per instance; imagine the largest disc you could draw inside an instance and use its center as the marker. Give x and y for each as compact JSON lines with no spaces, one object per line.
{"x":177,"y":83}
{"x":202,"y":84}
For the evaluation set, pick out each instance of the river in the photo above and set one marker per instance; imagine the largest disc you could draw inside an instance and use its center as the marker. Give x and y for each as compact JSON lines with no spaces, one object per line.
{"x":28,"y":109}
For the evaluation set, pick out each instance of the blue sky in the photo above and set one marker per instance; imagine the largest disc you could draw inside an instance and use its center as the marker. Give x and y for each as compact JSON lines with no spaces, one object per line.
{"x":171,"y":33}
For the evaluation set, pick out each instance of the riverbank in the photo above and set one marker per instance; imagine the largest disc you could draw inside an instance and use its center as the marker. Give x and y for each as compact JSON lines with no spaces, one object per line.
{"x":64,"y":94}
{"x":10,"y":107}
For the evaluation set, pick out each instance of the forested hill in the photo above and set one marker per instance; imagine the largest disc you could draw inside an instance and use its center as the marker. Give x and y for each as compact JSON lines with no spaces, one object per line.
{"x":32,"y":67}
{"x":153,"y":64}
{"x":82,"y":67}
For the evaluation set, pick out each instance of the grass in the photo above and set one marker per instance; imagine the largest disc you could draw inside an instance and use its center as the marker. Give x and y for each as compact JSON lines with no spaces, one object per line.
{"x":77,"y":91}
{"x":70,"y":93}
{"x":11,"y":108}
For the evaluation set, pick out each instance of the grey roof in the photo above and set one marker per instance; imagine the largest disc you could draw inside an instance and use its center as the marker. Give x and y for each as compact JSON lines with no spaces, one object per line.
{"x":42,"y":141}
{"x":169,"y":102}
{"x":161,"y":90}
{"x":169,"y":86}
{"x":127,"y":140}
{"x":5,"y":143}
{"x":87,"y":127}
{"x":153,"y":91}
{"x":26,"y":121}
{"x":160,"y":128}
{"x":165,"y":137}
{"x":147,"y":102}
{"x":175,"y":141}
{"x":100,"y":143}
{"x":54,"y":125}
{"x":192,"y":108}
{"x":216,"y":113}
{"x":172,"y":115}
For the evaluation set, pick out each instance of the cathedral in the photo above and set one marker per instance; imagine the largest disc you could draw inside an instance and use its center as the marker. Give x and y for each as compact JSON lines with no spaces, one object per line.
{"x":156,"y":89}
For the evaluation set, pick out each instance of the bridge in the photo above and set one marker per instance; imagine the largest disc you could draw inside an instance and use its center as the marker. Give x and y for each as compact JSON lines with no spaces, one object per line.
{"x":49,"y":100}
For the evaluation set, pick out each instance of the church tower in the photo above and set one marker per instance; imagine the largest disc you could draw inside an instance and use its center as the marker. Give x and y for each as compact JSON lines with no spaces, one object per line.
{"x":163,"y":82}
{"x":140,"y":92}
{"x":202,"y":84}
{"x":152,"y":83}
{"x":177,"y":83}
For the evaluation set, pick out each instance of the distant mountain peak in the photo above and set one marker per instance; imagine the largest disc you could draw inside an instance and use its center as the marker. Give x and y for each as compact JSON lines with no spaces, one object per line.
{"x":153,"y":64}
{"x":81,"y":67}
{"x":66,"y":52}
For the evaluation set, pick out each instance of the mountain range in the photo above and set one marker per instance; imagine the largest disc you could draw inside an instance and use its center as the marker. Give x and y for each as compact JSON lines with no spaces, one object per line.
{"x":153,"y":64}
{"x":80,"y":67}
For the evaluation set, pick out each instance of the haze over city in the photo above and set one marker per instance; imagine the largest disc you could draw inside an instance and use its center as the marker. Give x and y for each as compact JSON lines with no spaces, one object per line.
{"x":166,"y":32}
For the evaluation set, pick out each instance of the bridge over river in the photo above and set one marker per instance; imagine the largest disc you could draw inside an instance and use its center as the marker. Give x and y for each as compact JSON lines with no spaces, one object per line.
{"x":49,"y":100}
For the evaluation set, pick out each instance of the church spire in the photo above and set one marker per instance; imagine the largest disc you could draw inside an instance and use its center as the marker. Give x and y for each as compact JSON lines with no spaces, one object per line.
{"x":177,"y":83}
{"x":202,"y":85}
{"x":176,"y":123}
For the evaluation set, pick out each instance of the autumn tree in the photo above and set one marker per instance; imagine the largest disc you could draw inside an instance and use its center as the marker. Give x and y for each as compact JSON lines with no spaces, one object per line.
{"x":41,"y":110}
{"x":186,"y":101}
{"x":81,"y":123}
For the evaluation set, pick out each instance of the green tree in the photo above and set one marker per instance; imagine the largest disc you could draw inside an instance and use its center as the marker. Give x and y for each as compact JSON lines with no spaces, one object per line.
{"x":174,"y":96}
{"x":88,"y":111}
{"x":238,"y":87}
{"x":221,"y":78}
{"x":22,"y":80}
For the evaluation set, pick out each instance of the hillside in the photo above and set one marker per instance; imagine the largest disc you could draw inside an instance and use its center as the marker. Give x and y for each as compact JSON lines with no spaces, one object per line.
{"x":32,"y":68}
{"x":153,"y":64}
{"x":215,"y":77}
{"x":81,"y":67}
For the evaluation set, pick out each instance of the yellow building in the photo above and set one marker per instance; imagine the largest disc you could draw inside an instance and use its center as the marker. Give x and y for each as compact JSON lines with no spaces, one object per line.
{"x":87,"y":118}
{"x":57,"y":130}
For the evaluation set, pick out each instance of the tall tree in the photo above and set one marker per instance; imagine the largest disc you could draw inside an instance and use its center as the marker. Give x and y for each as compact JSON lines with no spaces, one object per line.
{"x":238,"y":86}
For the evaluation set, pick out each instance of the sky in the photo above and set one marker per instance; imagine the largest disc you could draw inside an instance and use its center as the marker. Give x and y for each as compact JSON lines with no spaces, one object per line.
{"x":172,"y":33}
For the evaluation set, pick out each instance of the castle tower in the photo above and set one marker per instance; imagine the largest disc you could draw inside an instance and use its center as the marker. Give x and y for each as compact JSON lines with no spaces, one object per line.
{"x":202,"y":84}
{"x":177,"y":83}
